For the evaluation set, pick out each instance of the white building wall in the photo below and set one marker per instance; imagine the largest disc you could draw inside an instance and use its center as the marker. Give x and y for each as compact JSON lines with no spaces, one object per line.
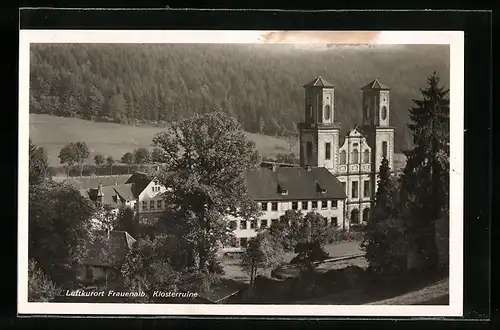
{"x":327,"y":210}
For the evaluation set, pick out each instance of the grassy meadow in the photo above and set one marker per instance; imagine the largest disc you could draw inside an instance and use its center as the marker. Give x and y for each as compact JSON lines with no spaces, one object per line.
{"x":110,"y":139}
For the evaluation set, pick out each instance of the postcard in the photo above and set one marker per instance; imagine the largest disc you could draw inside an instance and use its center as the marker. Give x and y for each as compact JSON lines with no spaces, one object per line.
{"x":241,"y":173}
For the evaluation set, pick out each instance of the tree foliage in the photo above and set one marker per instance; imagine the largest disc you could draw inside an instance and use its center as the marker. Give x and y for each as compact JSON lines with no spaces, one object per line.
{"x":148,"y":267}
{"x":206,"y":157}
{"x":110,"y":162}
{"x":263,"y":251}
{"x":385,"y":238}
{"x":425,"y":181}
{"x":126,"y":221}
{"x":74,"y":153}
{"x":40,"y":287}
{"x":261,"y":85}
{"x":128,"y":159}
{"x":38,"y":166}
{"x":141,"y":156}
{"x":59,"y":226}
{"x":99,"y":161}
{"x":105,"y":218}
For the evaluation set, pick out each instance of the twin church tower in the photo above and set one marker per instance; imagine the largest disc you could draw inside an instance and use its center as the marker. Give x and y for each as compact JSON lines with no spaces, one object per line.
{"x":355,"y":160}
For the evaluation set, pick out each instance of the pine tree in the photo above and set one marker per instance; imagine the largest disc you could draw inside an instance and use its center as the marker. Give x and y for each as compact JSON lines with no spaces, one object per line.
{"x":383,"y":231}
{"x":425,"y":179}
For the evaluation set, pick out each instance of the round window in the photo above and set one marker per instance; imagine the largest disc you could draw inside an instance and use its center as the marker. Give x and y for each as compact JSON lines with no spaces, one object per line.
{"x":384,"y":113}
{"x":327,"y":112}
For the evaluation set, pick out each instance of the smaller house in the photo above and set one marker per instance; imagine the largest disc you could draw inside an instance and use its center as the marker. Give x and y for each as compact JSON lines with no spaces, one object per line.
{"x":142,"y":193}
{"x":107,"y":248}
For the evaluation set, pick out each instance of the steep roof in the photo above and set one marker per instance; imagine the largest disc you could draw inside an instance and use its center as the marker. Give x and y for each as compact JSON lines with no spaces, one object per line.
{"x":125,"y":191}
{"x":375,"y":84}
{"x":113,"y":196}
{"x":89,"y":182}
{"x":319,"y":82}
{"x":121,"y":243}
{"x":140,"y":181}
{"x":300,"y":183}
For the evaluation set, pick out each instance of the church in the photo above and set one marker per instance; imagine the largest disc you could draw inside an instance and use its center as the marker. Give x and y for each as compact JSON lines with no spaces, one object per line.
{"x":354,"y":160}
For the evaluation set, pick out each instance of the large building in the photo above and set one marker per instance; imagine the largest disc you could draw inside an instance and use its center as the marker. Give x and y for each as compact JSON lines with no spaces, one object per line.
{"x":277,"y":189}
{"x":336,"y":178}
{"x":354,"y":160}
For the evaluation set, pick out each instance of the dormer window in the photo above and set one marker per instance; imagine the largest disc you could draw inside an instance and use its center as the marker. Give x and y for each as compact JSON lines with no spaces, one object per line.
{"x":282,"y":190}
{"x":321,"y":189}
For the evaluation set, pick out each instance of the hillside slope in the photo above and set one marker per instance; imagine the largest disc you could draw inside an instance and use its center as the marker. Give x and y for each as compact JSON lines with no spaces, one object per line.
{"x":110,"y":139}
{"x":261,"y":85}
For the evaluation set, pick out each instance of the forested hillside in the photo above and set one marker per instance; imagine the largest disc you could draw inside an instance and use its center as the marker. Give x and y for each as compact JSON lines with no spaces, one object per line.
{"x":261,"y":85}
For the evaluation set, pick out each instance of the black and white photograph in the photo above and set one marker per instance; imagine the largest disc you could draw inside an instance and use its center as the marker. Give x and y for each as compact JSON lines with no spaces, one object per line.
{"x":241,"y":173}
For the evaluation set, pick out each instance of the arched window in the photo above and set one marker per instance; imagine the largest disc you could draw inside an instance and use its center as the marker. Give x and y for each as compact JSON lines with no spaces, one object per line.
{"x":384,"y":149}
{"x":310,"y":112}
{"x":367,"y":111}
{"x":366,"y":156}
{"x":355,"y":156}
{"x":366,"y":214}
{"x":343,"y":157}
{"x":384,"y":112}
{"x":327,"y":112}
{"x":355,"y":216}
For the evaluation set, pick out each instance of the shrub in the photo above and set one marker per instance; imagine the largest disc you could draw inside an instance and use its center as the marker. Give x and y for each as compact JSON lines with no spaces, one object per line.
{"x":40,"y":287}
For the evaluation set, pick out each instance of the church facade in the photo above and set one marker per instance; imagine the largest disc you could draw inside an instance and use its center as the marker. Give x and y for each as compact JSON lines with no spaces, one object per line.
{"x":354,"y":159}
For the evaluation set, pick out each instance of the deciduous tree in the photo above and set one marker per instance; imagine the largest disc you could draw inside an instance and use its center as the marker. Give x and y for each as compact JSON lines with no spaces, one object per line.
{"x":38,"y":166}
{"x":263,"y":251}
{"x":147,"y":267}
{"x":110,"y":161}
{"x":98,"y":161}
{"x":40,"y":287}
{"x":128,"y":159}
{"x":141,"y":156}
{"x":81,"y":154}
{"x":206,"y":157}
{"x":67,"y":157}
{"x":59,"y":226}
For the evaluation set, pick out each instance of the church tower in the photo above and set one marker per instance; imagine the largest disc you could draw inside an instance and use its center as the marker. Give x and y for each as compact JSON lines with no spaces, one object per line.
{"x":319,"y":133}
{"x":378,"y":132}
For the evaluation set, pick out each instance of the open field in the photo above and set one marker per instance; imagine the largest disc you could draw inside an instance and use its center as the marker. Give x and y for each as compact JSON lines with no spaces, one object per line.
{"x":109,"y":139}
{"x":114,"y":140}
{"x":234,"y":271}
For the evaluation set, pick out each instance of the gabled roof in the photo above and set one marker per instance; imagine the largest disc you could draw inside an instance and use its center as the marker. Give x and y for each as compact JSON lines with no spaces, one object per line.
{"x":319,"y":82}
{"x":125,"y":191}
{"x":302,"y":184}
{"x":140,"y":181}
{"x":113,"y":196}
{"x":375,"y":84}
{"x":88,"y":182}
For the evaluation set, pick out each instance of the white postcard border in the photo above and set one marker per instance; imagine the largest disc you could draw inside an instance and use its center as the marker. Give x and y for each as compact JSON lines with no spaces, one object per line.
{"x":454,"y":38}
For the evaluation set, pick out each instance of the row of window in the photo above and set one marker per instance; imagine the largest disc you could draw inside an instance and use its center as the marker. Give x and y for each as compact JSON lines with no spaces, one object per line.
{"x":153,"y":205}
{"x":343,"y":153}
{"x":332,"y":222}
{"x":304,"y":205}
{"x":254,"y":224}
{"x":355,"y":189}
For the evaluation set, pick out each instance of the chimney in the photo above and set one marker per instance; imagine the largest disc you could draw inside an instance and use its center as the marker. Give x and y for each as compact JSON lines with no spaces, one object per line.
{"x":274,"y":167}
{"x":308,"y":168}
